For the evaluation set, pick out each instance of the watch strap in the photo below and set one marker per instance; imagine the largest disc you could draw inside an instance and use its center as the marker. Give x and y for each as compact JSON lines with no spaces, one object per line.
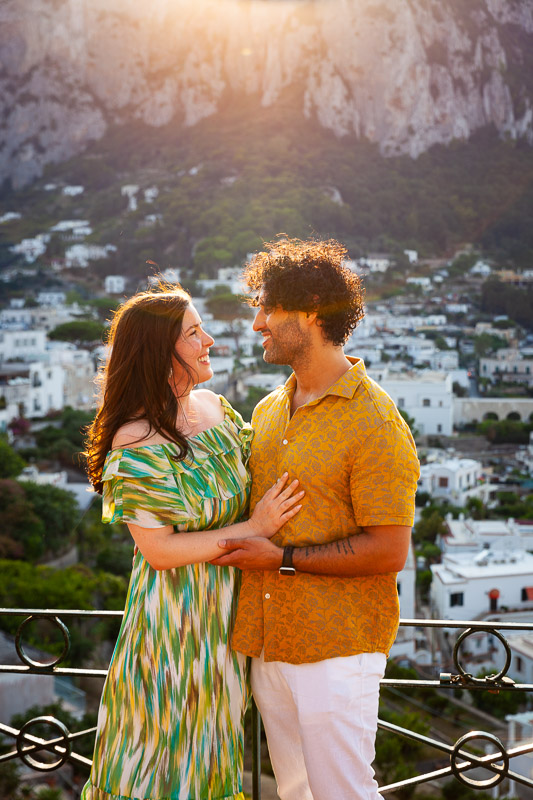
{"x":287,"y":567}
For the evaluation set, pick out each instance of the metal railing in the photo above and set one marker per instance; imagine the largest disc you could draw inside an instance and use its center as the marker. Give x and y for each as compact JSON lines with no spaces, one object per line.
{"x":60,"y":743}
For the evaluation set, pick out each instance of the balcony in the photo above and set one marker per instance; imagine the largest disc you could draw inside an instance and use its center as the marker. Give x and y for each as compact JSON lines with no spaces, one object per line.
{"x":477,"y":759}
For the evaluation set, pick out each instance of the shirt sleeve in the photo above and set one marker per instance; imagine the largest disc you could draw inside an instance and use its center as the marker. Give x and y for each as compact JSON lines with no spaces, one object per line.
{"x":384,"y":477}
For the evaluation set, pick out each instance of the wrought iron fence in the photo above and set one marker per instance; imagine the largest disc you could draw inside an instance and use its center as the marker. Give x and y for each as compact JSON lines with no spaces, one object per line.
{"x":58,"y":746}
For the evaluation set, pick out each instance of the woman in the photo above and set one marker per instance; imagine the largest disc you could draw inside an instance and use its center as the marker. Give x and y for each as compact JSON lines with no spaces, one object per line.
{"x":170,"y":463}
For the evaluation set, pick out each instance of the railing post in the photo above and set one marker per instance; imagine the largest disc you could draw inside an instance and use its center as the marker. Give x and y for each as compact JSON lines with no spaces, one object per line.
{"x":256,"y":752}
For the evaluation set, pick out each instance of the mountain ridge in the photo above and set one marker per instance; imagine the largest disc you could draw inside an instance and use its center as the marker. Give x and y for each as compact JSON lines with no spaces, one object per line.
{"x":405,"y":77}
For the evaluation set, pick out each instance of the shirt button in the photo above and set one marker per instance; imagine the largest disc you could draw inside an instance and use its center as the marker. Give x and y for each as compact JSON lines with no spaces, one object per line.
{"x":285,"y":441}
{"x":267,"y":596}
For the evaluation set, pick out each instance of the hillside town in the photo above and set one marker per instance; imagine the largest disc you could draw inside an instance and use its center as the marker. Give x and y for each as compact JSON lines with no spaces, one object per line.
{"x":453,"y":369}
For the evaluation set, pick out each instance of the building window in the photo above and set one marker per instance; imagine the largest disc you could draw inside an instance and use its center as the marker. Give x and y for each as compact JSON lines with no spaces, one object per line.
{"x":426,"y":402}
{"x":527,"y":594}
{"x":443,"y":483}
{"x":519,"y":663}
{"x":401,"y":402}
{"x":399,"y":587}
{"x":439,"y":428}
{"x":456,"y":599}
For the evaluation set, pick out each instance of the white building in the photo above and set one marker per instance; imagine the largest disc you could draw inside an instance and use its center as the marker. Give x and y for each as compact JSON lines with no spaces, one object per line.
{"x":115,"y":284}
{"x":521,"y":646}
{"x":31,"y":249}
{"x":40,"y":317}
{"x":396,"y":322}
{"x":150,"y":194}
{"x":51,"y":298}
{"x":471,"y":535}
{"x":30,"y":390}
{"x":412,"y":256}
{"x":422,"y":281}
{"x":130,"y":191}
{"x":520,"y":734}
{"x":9,"y":216}
{"x":17,"y":693}
{"x":420,"y":349}
{"x":170,"y":275}
{"x":453,"y":479}
{"x":73,"y":191}
{"x":376,"y":262}
{"x":508,"y":364}
{"x":481,"y":268}
{"x":471,"y":585}
{"x":404,"y":644}
{"x":444,"y":360}
{"x":457,"y":308}
{"x":427,"y":396}
{"x":79,"y":255}
{"x":22,"y":345}
{"x":79,"y":367}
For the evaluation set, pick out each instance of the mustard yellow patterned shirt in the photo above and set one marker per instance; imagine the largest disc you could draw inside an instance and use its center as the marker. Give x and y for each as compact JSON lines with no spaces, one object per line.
{"x":356,"y":459}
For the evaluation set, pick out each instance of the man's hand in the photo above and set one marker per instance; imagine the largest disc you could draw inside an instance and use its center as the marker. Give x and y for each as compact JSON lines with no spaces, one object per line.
{"x":255,"y":553}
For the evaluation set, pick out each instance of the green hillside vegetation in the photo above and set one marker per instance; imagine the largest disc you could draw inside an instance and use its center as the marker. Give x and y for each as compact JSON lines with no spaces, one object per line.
{"x":247,"y":174}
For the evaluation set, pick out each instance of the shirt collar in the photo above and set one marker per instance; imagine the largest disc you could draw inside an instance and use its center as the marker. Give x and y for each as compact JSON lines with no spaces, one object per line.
{"x":345,"y":386}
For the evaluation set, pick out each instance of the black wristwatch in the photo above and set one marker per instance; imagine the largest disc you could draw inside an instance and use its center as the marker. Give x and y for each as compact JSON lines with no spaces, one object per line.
{"x":287,"y":567}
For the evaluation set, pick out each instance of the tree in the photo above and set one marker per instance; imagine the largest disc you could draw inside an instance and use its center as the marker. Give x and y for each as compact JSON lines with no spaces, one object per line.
{"x":11,"y":464}
{"x":499,"y":704}
{"x":105,"y":306}
{"x":475,"y":508}
{"x":229,"y":308}
{"x":396,"y":755}
{"x":411,"y":422}
{"x":487,"y":343}
{"x":429,"y":526}
{"x":36,"y":520}
{"x":83,"y":330}
{"x":58,"y":510}
{"x":22,"y":534}
{"x":245,"y":407}
{"x":64,"y":442}
{"x":505,"y":430}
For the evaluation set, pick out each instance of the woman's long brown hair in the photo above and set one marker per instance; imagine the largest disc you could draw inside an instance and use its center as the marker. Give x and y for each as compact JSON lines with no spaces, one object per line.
{"x":135,"y":380}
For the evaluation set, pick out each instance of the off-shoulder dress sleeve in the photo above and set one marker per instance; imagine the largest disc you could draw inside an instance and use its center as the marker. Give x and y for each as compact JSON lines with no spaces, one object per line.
{"x":149,"y":486}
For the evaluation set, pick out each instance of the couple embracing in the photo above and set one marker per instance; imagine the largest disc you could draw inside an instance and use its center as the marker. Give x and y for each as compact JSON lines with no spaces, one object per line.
{"x":314,"y":503}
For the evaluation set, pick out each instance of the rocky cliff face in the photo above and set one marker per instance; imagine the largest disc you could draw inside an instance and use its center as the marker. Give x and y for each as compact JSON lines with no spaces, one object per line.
{"x":404,"y":74}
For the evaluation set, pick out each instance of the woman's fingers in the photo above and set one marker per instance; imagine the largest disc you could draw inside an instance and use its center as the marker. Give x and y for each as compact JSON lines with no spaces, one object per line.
{"x":277,"y":488}
{"x":290,"y":501}
{"x":290,"y":513}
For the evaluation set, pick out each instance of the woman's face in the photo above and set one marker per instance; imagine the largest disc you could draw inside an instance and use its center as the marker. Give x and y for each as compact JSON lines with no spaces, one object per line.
{"x":192,"y":347}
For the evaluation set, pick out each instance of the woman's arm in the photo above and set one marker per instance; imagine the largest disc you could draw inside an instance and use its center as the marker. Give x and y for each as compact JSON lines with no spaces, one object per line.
{"x":163,"y":548}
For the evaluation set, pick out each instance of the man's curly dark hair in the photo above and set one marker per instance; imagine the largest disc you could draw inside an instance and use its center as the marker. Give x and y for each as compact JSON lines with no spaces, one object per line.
{"x":309,"y":276}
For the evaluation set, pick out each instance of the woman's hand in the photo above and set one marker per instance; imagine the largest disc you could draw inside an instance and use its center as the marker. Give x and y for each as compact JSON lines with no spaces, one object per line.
{"x":278,"y":505}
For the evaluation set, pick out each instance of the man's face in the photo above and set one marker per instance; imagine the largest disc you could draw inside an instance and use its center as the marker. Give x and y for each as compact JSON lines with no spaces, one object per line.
{"x":285,"y":339}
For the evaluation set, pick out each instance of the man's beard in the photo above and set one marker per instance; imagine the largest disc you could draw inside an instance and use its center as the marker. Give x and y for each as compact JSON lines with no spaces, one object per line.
{"x":288,"y":344}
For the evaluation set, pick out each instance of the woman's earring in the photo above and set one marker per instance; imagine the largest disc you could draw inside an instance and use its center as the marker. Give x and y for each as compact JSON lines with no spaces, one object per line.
{"x":170,"y":374}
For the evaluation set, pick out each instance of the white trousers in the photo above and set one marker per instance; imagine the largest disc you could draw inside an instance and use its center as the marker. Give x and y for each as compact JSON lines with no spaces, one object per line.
{"x":320,"y":721}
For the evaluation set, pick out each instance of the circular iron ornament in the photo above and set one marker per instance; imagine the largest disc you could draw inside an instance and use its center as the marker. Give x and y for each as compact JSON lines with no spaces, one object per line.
{"x":44,"y":766}
{"x":489,"y":678}
{"x":39,"y":664}
{"x":489,"y":782}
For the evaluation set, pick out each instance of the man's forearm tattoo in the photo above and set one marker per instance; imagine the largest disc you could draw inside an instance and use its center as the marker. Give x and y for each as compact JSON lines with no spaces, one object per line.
{"x":342,"y":546}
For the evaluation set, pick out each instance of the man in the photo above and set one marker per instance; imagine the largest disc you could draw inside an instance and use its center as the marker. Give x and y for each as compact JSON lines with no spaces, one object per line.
{"x":318,"y":609}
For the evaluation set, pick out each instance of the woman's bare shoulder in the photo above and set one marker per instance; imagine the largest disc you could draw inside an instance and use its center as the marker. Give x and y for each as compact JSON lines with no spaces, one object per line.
{"x":208,"y":398}
{"x":132,"y":433}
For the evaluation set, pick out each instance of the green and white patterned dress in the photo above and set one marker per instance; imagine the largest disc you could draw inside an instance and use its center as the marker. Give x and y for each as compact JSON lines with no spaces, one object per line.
{"x":170,"y":721}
